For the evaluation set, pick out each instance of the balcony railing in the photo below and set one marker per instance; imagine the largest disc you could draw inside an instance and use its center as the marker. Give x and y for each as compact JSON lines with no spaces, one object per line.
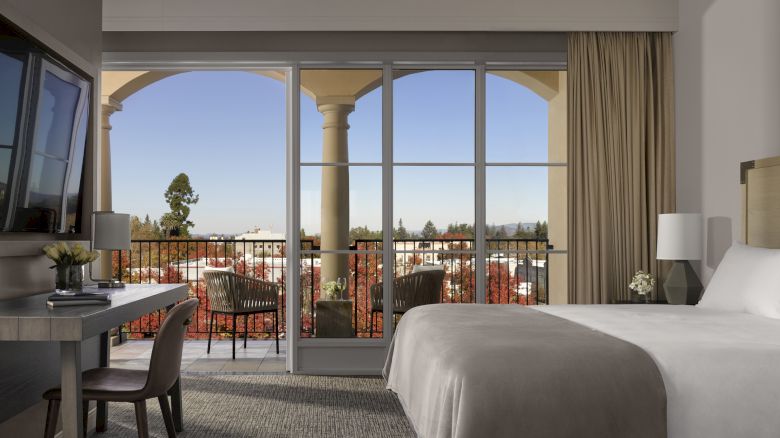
{"x":516,"y":273}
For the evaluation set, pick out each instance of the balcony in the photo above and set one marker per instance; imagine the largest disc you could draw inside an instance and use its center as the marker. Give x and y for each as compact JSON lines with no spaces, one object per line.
{"x":516,"y":274}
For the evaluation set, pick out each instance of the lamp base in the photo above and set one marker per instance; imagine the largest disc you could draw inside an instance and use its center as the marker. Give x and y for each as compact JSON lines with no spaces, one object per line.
{"x":682,"y":285}
{"x":113,"y":284}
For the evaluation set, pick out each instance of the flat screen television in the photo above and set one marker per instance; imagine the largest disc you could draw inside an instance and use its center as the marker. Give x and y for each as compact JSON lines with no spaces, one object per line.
{"x":44,"y":114}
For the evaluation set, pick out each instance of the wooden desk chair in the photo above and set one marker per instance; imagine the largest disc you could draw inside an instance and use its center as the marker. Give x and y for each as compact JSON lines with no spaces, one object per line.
{"x":136,"y":386}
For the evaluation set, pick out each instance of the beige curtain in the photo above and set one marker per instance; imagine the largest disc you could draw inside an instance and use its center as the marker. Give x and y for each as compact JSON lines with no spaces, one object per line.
{"x":621,"y":158}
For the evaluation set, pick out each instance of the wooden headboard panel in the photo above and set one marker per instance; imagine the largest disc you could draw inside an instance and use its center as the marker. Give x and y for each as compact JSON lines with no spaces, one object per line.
{"x":760,"y":180}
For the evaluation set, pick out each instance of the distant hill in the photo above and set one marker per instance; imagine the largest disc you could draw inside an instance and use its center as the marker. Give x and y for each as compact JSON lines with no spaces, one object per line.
{"x":511,"y":228}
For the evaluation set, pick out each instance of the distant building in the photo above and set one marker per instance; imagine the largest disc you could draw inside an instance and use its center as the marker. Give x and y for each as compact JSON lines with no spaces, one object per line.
{"x":265,"y":242}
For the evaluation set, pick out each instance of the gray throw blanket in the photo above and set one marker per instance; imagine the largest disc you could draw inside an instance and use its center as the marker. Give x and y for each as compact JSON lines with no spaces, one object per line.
{"x":475,"y":370}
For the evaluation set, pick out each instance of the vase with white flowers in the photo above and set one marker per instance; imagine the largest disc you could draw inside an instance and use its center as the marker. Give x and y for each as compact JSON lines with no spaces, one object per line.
{"x":643,"y":284}
{"x":334,"y":311}
{"x":333,"y":290}
{"x":69,"y":261}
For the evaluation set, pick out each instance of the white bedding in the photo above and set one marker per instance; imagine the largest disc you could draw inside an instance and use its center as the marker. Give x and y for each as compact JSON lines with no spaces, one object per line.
{"x":721,"y":369}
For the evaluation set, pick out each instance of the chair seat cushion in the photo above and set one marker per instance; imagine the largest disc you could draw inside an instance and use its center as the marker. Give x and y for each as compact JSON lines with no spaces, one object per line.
{"x":109,"y":384}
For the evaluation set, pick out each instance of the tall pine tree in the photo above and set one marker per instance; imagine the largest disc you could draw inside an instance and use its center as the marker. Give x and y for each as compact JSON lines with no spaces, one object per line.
{"x":179,"y":197}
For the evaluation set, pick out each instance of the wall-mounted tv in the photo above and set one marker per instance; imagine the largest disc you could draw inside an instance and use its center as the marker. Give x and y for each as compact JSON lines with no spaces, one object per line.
{"x":44,"y":113}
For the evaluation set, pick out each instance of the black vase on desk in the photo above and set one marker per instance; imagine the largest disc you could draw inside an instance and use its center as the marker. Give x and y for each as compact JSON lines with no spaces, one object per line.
{"x":70,"y":278}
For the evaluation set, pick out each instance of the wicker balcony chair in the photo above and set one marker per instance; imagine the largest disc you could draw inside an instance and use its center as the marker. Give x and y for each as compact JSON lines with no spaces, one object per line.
{"x":409,"y":291}
{"x":235,"y":295}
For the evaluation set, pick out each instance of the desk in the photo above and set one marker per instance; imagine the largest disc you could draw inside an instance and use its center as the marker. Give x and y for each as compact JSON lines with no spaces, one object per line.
{"x":29,"y":319}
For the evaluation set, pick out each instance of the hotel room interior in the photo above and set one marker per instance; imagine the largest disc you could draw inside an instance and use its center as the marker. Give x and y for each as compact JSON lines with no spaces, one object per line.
{"x":642,"y":301}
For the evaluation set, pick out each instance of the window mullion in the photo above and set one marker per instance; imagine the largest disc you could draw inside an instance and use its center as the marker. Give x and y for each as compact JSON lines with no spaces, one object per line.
{"x":480,"y":183}
{"x":293,"y":218}
{"x":388,"y":255}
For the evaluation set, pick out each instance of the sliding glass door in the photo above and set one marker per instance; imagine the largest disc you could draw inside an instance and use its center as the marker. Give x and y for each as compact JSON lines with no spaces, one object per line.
{"x":403,"y":169}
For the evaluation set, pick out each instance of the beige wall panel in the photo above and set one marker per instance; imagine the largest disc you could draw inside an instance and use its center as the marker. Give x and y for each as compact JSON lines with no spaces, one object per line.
{"x":373,"y":15}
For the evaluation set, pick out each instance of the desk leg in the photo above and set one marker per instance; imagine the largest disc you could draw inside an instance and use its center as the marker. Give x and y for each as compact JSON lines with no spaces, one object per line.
{"x":101,"y":423}
{"x":70,"y":365}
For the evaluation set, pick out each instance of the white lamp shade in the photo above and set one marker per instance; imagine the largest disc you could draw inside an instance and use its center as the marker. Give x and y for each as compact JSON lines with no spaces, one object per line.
{"x":112,"y":230}
{"x":679,"y":236}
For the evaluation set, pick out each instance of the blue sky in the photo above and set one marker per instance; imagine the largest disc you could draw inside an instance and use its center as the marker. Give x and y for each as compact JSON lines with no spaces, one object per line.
{"x":226,"y":130}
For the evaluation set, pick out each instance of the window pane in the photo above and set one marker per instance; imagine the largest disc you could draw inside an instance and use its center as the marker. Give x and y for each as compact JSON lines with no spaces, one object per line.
{"x":45,"y":185}
{"x":518,"y":277}
{"x":525,"y":116}
{"x":433,"y":116}
{"x":341,"y":116}
{"x":517,"y":199}
{"x":350,"y":314}
{"x":10,"y":88}
{"x":418,"y":254}
{"x":56,"y":112}
{"x":526,"y":215}
{"x":340,"y":205}
{"x":72,"y":214}
{"x":5,"y":167}
{"x":429,"y":201}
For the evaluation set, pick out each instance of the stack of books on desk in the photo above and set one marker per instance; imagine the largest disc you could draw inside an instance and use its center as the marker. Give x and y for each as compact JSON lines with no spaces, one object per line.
{"x":79,"y":299}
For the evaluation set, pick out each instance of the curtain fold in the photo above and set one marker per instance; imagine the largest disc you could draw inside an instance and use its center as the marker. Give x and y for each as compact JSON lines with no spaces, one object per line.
{"x":621,"y":159}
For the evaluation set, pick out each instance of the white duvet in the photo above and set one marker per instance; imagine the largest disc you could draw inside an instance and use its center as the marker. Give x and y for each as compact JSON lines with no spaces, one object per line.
{"x":721,"y":369}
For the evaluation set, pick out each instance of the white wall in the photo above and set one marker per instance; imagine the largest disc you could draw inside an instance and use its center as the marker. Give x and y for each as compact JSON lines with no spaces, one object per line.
{"x":389,"y":15}
{"x":727,"y":56}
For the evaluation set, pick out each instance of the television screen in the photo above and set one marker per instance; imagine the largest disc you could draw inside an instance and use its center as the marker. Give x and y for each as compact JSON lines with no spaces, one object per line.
{"x":44,"y":113}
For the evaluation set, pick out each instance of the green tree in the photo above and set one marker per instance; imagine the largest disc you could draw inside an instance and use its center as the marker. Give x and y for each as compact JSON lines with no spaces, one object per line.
{"x":144,"y":230}
{"x":501,"y":232}
{"x":400,"y":232}
{"x":540,"y":230}
{"x":465,"y":230}
{"x":179,"y":196}
{"x":363,"y":233}
{"x":429,"y":231}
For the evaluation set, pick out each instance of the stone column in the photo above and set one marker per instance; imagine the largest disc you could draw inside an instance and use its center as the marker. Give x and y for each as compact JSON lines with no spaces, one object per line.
{"x":108,"y":107}
{"x":335,"y":190}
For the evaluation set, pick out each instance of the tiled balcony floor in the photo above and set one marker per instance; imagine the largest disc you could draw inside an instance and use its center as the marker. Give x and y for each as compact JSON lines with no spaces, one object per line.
{"x":258,"y":358}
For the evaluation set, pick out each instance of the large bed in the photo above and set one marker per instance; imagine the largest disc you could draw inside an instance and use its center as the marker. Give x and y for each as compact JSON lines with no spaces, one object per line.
{"x":599,"y":370}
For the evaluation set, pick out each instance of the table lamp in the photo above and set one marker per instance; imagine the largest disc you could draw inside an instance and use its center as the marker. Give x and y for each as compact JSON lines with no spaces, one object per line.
{"x":680,"y":240}
{"x":111,"y":231}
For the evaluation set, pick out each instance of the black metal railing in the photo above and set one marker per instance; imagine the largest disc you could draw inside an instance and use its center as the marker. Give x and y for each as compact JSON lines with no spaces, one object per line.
{"x":516,"y":272}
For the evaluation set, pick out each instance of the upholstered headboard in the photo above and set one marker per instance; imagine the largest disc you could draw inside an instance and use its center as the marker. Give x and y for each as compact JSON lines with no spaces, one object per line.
{"x":760,"y":180}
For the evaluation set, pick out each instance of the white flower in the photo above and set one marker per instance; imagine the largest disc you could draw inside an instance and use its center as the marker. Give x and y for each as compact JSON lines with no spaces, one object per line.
{"x":642,"y":283}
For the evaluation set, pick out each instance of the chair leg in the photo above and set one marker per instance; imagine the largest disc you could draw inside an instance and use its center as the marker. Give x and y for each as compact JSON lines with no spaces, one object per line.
{"x":85,"y":415}
{"x":141,"y":420}
{"x":211,"y":325}
{"x":167,"y":416}
{"x":51,"y":418}
{"x":276,"y":329}
{"x":246,"y":329}
{"x":234,"y":336}
{"x":371,"y":327}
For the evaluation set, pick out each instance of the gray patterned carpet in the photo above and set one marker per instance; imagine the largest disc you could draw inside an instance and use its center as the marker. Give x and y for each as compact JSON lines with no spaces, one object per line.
{"x":275,"y":405}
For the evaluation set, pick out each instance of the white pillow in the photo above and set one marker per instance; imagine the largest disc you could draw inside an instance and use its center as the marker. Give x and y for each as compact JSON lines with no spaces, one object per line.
{"x":747,"y":280}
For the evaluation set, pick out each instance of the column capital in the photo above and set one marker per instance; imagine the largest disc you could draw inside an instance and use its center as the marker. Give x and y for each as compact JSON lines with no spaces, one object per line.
{"x":335,"y":114}
{"x":109,"y":105}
